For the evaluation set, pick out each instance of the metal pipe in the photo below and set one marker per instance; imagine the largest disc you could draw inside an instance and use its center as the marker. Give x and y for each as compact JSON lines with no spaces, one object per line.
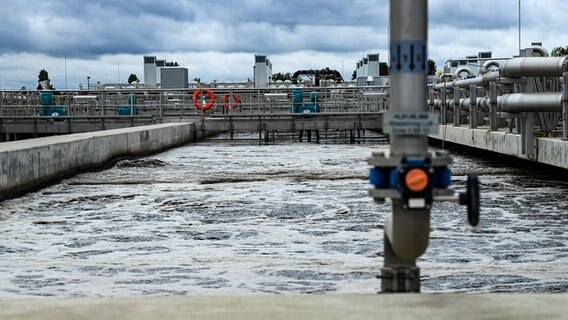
{"x":443,"y":77}
{"x":493,"y":106}
{"x":488,"y":64}
{"x":456,"y":106}
{"x":463,"y":69}
{"x":533,"y":67}
{"x":408,"y":35}
{"x":407,"y":232}
{"x":541,"y":50}
{"x":490,"y":77}
{"x":530,"y":102}
{"x":485,"y":79}
{"x":465,"y":103}
{"x":473,"y":107}
{"x":565,"y":106}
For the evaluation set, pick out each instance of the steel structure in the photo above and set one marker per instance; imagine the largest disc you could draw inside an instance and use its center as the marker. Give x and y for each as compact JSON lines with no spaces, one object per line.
{"x":234,"y":109}
{"x":409,"y":175}
{"x":527,"y":95}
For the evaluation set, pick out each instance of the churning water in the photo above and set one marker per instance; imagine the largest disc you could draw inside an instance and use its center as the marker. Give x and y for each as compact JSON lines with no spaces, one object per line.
{"x":242,"y":218}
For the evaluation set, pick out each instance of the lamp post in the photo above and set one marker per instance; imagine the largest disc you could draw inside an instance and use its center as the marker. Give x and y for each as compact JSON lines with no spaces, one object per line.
{"x":519,"y":27}
{"x":88,"y":84}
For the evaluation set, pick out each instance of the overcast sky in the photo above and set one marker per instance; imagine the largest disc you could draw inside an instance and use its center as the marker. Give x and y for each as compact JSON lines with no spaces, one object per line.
{"x":217,"y":40}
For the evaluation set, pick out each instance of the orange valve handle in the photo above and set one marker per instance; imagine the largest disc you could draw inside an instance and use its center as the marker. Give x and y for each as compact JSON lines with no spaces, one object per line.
{"x":416,"y":180}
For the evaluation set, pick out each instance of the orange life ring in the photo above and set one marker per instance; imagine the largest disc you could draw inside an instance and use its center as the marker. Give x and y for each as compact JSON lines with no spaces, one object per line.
{"x":236,"y":101}
{"x":196,"y":102}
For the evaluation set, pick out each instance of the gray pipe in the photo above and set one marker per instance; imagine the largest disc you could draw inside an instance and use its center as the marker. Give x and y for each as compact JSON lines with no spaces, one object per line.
{"x":408,"y":230}
{"x":489,"y":63}
{"x":482,"y":102}
{"x":491,"y":76}
{"x":446,"y":75}
{"x":533,"y":67}
{"x":516,"y":102}
{"x":436,"y":103}
{"x":443,"y":85}
{"x":463,"y":69}
{"x":465,"y":103}
{"x":543,"y":52}
{"x":530,"y":102}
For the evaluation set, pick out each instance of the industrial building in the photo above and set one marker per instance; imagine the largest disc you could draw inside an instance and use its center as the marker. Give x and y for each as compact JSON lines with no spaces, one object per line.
{"x":174,"y":77}
{"x":367,"y":70}
{"x":262,"y":71}
{"x":160,"y":73}
{"x":150,"y":71}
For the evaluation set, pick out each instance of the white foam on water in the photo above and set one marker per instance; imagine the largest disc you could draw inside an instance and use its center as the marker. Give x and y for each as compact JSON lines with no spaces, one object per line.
{"x":226,"y":218}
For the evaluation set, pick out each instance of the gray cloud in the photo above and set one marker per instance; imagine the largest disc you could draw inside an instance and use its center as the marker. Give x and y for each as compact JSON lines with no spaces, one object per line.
{"x":479,"y":14}
{"x":102,"y":32}
{"x":90,"y":29}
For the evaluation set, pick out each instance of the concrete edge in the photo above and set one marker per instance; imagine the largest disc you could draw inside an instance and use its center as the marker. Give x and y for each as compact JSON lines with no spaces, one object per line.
{"x":549,"y":151}
{"x":29,"y":165}
{"x":356,"y":306}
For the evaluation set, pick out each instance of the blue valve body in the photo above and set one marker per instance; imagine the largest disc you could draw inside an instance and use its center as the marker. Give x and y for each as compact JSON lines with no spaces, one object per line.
{"x":387,"y":177}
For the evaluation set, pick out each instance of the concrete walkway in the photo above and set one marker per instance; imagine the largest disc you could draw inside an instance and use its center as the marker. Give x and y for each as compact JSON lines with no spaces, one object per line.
{"x":400,"y":306}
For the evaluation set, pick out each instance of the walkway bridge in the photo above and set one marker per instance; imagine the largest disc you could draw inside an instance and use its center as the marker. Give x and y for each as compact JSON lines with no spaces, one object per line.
{"x":24,"y":114}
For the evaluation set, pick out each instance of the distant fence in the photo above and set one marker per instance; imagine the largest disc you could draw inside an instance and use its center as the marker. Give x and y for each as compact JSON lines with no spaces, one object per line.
{"x":180,"y":103}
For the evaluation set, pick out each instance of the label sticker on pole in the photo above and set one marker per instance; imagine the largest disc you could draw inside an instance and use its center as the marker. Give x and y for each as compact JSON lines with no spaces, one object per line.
{"x":415,"y":123}
{"x":408,"y":56}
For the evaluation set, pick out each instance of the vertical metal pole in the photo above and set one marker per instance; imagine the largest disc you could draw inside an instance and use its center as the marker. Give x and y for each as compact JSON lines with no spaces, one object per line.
{"x":565,"y":106}
{"x":493,"y":106}
{"x":1,"y":114}
{"x":431,"y":97}
{"x":161,"y":106}
{"x":444,"y":106}
{"x":456,"y":106}
{"x":259,"y":100}
{"x":519,"y":26}
{"x":406,"y":231}
{"x":473,"y":107}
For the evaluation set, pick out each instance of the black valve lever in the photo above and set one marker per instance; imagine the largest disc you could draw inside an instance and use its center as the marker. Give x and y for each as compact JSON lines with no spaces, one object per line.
{"x":470,"y":198}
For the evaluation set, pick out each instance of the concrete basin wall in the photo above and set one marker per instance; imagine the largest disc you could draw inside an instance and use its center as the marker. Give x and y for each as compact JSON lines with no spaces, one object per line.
{"x":496,"y":141}
{"x":553,"y":152}
{"x":550,"y":151}
{"x":29,"y":164}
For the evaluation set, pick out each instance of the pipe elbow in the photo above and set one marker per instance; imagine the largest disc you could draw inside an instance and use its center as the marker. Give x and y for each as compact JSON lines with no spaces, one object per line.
{"x":444,"y":77}
{"x":463,"y":69}
{"x":486,"y":67}
{"x":541,"y":50}
{"x":408,"y":233}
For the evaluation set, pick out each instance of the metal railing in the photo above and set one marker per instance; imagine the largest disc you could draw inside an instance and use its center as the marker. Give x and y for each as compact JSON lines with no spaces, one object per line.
{"x":528,"y":95}
{"x":180,"y":103}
